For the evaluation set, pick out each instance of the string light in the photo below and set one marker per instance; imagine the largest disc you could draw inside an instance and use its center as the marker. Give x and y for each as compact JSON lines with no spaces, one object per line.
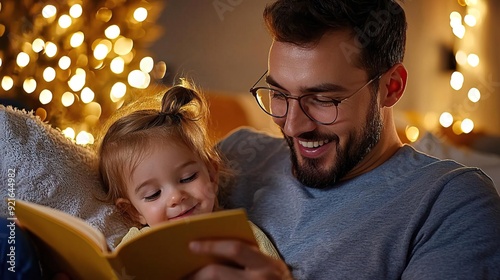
{"x":29,"y":85}
{"x":7,"y":83}
{"x":75,"y":63}
{"x":77,"y":39}
{"x":467,"y":61}
{"x":38,"y":45}
{"x":457,"y":80}
{"x":65,"y":21}
{"x":446,"y":119}
{"x":22,"y":59}
{"x":45,"y":96}
{"x":49,"y":11}
{"x":69,"y":133}
{"x":76,"y":11}
{"x":474,"y":95}
{"x":140,"y":14}
{"x":473,"y":60}
{"x":467,"y":125}
{"x":412,"y":133}
{"x":67,"y":99}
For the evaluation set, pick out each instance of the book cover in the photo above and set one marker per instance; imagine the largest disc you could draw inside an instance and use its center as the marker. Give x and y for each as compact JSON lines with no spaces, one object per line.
{"x":68,"y":244}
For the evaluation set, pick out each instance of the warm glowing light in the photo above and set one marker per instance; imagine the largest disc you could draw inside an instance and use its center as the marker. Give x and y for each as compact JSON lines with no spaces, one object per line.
{"x":461,"y":57}
{"x":475,"y":13}
{"x":412,"y":133}
{"x":45,"y":96}
{"x":457,"y":80}
{"x":69,"y":133}
{"x":467,"y":125}
{"x":128,"y":57}
{"x":104,"y":14}
{"x":22,"y":59}
{"x":470,"y":20}
{"x":77,"y":81}
{"x":38,"y":45}
{"x":473,"y":60}
{"x":65,"y":21}
{"x":93,"y":109}
{"x":77,"y":39}
{"x":112,"y":32}
{"x":457,"y":127}
{"x":50,"y":49}
{"x":471,"y":2}
{"x":49,"y":11}
{"x":91,"y":138}
{"x":87,"y":95}
{"x":446,"y":119}
{"x":84,"y":138}
{"x":118,"y":91}
{"x":140,"y":14}
{"x":160,"y":70}
{"x":117,"y":65}
{"x":455,"y":19}
{"x":76,"y":11}
{"x":7,"y":83}
{"x":474,"y":95}
{"x":29,"y":85}
{"x":64,"y":62}
{"x":82,"y":60}
{"x":146,"y":64}
{"x":123,"y":46}
{"x":101,"y":51}
{"x":67,"y":99}
{"x":138,"y":79}
{"x":41,"y":113}
{"x":459,"y":31}
{"x":462,"y":3}
{"x":49,"y":74}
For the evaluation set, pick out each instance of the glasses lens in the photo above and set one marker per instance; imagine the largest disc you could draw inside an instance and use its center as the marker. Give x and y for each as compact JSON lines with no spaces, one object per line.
{"x":320,"y":108}
{"x":271,"y":101}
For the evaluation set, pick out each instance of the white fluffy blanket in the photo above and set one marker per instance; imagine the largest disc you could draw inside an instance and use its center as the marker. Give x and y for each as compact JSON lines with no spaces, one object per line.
{"x":53,"y":171}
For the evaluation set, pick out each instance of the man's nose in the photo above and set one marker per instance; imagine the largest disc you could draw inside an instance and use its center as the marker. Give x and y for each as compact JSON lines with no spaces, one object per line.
{"x":296,"y":121}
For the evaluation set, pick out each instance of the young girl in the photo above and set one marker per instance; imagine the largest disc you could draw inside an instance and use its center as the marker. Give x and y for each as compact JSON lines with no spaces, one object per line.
{"x":160,"y":165}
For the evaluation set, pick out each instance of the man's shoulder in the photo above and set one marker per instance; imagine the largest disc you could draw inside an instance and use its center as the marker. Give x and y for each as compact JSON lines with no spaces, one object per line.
{"x":247,"y":136}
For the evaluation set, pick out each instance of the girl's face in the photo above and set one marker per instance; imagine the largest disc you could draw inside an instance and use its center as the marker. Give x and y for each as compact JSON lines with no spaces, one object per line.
{"x":171,"y":182}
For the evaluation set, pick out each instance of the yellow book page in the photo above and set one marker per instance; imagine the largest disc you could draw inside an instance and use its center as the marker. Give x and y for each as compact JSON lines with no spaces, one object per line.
{"x":163,"y":253}
{"x":68,"y":243}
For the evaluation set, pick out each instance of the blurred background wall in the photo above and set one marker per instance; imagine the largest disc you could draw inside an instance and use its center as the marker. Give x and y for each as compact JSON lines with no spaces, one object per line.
{"x":223,"y":44}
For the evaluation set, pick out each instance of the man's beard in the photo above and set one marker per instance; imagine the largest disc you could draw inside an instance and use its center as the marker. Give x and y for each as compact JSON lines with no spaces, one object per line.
{"x":311,"y":173}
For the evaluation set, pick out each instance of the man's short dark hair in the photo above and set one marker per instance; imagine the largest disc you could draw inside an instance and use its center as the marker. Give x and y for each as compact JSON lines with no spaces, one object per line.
{"x":379,"y":27}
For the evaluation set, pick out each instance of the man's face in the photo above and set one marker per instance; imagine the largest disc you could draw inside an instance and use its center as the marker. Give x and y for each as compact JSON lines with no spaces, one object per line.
{"x":324,"y":154}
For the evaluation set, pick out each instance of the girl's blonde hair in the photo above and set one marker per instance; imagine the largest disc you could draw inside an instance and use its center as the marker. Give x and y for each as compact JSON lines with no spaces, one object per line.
{"x":183,"y":118}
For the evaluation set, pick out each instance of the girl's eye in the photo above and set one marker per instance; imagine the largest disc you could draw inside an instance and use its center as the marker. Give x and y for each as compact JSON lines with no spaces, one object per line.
{"x":153,"y":196}
{"x":189,"y":179}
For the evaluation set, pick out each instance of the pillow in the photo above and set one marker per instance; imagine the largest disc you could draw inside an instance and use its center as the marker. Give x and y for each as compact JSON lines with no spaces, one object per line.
{"x":51,"y":170}
{"x":489,"y":163}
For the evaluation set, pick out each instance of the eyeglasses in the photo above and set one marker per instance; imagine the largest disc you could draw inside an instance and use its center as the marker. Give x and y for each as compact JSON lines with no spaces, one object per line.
{"x":320,"y":109}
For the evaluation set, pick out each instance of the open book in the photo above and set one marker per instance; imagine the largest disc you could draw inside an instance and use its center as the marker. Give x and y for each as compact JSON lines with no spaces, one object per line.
{"x":71,"y":245}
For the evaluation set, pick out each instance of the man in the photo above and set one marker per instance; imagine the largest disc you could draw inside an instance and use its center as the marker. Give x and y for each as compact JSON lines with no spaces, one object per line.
{"x":341,"y":197}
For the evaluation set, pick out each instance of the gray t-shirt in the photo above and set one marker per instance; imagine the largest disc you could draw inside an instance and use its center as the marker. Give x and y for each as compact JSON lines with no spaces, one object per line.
{"x":413,"y":217}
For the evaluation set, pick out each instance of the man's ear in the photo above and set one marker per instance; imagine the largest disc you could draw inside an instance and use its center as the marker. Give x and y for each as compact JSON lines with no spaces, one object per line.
{"x":393,"y":84}
{"x":126,"y":207}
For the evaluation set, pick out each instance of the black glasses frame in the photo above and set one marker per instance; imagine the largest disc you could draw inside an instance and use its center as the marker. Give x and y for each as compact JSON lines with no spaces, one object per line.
{"x":336,"y":102}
